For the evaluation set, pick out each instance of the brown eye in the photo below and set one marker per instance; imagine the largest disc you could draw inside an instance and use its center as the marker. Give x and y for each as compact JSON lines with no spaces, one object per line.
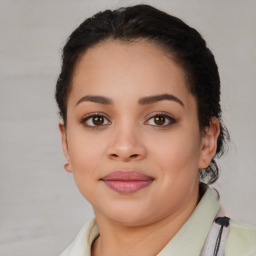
{"x":98,"y":120}
{"x":94,"y":121}
{"x":161,"y":120}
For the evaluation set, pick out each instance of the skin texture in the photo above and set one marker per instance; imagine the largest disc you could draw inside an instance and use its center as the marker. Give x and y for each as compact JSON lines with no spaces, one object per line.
{"x":130,"y":138}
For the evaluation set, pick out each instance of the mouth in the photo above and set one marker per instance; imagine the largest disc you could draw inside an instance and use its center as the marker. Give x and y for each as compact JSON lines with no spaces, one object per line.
{"x":127,"y":182}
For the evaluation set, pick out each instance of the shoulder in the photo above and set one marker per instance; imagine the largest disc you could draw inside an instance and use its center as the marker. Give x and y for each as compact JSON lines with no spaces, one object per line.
{"x":241,"y":240}
{"x":81,"y":246}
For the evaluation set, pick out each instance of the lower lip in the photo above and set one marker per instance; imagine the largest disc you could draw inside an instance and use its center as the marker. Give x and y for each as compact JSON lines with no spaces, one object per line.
{"x":127,"y":186}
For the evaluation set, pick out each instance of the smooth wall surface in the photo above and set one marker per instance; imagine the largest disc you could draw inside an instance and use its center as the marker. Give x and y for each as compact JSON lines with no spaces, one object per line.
{"x":41,"y":209}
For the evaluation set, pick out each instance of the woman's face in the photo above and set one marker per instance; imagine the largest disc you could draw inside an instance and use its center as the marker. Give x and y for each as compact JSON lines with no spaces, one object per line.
{"x":132,"y":138}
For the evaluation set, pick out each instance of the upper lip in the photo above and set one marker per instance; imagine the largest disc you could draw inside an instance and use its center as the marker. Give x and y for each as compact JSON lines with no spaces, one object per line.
{"x":126,"y":176}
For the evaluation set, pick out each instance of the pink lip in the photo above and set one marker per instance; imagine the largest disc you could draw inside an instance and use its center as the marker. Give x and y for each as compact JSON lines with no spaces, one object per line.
{"x":126,"y":182}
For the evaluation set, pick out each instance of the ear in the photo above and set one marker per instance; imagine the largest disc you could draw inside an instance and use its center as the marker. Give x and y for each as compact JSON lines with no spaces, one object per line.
{"x":209,"y":143}
{"x":64,"y":143}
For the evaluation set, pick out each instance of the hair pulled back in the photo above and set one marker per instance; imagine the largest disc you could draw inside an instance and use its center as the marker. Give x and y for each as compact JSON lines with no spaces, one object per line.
{"x":183,"y":43}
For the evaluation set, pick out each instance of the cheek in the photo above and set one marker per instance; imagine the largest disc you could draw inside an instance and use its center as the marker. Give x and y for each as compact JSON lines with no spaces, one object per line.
{"x":178,"y":150}
{"x":82,"y":156}
{"x":84,"y":153}
{"x":178,"y":158}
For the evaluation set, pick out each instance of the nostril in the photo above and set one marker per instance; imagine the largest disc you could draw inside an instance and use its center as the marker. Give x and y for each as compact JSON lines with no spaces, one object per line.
{"x":131,"y":156}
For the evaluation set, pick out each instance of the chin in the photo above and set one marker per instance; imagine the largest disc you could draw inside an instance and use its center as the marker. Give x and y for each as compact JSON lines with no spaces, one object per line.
{"x":129,"y":215}
{"x":132,"y":220}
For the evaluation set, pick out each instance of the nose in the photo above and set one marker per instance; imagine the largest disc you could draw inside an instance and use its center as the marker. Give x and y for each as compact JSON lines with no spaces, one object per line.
{"x":127,"y":145}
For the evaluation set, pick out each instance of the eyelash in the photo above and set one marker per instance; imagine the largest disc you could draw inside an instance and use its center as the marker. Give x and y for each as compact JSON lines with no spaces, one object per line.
{"x":89,"y":116}
{"x":171,"y":120}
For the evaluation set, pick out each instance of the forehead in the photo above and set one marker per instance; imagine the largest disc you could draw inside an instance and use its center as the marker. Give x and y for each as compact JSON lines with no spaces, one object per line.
{"x":128,"y":68}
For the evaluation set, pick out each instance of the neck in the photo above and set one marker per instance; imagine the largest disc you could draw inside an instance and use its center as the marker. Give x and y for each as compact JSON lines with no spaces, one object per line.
{"x":119,"y":239}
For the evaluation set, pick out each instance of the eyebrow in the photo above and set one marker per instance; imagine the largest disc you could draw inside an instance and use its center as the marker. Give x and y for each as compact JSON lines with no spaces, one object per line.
{"x":143,"y":101}
{"x":156,"y":98}
{"x":96,"y":99}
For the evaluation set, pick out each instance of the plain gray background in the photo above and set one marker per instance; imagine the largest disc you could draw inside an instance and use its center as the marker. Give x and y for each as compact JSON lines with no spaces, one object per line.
{"x":41,"y":209}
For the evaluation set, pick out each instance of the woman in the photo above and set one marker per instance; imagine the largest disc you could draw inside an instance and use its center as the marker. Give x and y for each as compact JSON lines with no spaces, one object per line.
{"x":139,"y":97}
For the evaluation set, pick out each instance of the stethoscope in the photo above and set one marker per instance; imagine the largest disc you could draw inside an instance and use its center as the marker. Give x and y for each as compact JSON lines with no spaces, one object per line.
{"x":223,"y":222}
{"x":217,"y":237}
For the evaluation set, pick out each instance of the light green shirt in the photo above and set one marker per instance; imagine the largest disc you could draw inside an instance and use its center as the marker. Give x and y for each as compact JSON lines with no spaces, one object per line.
{"x":190,"y":239}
